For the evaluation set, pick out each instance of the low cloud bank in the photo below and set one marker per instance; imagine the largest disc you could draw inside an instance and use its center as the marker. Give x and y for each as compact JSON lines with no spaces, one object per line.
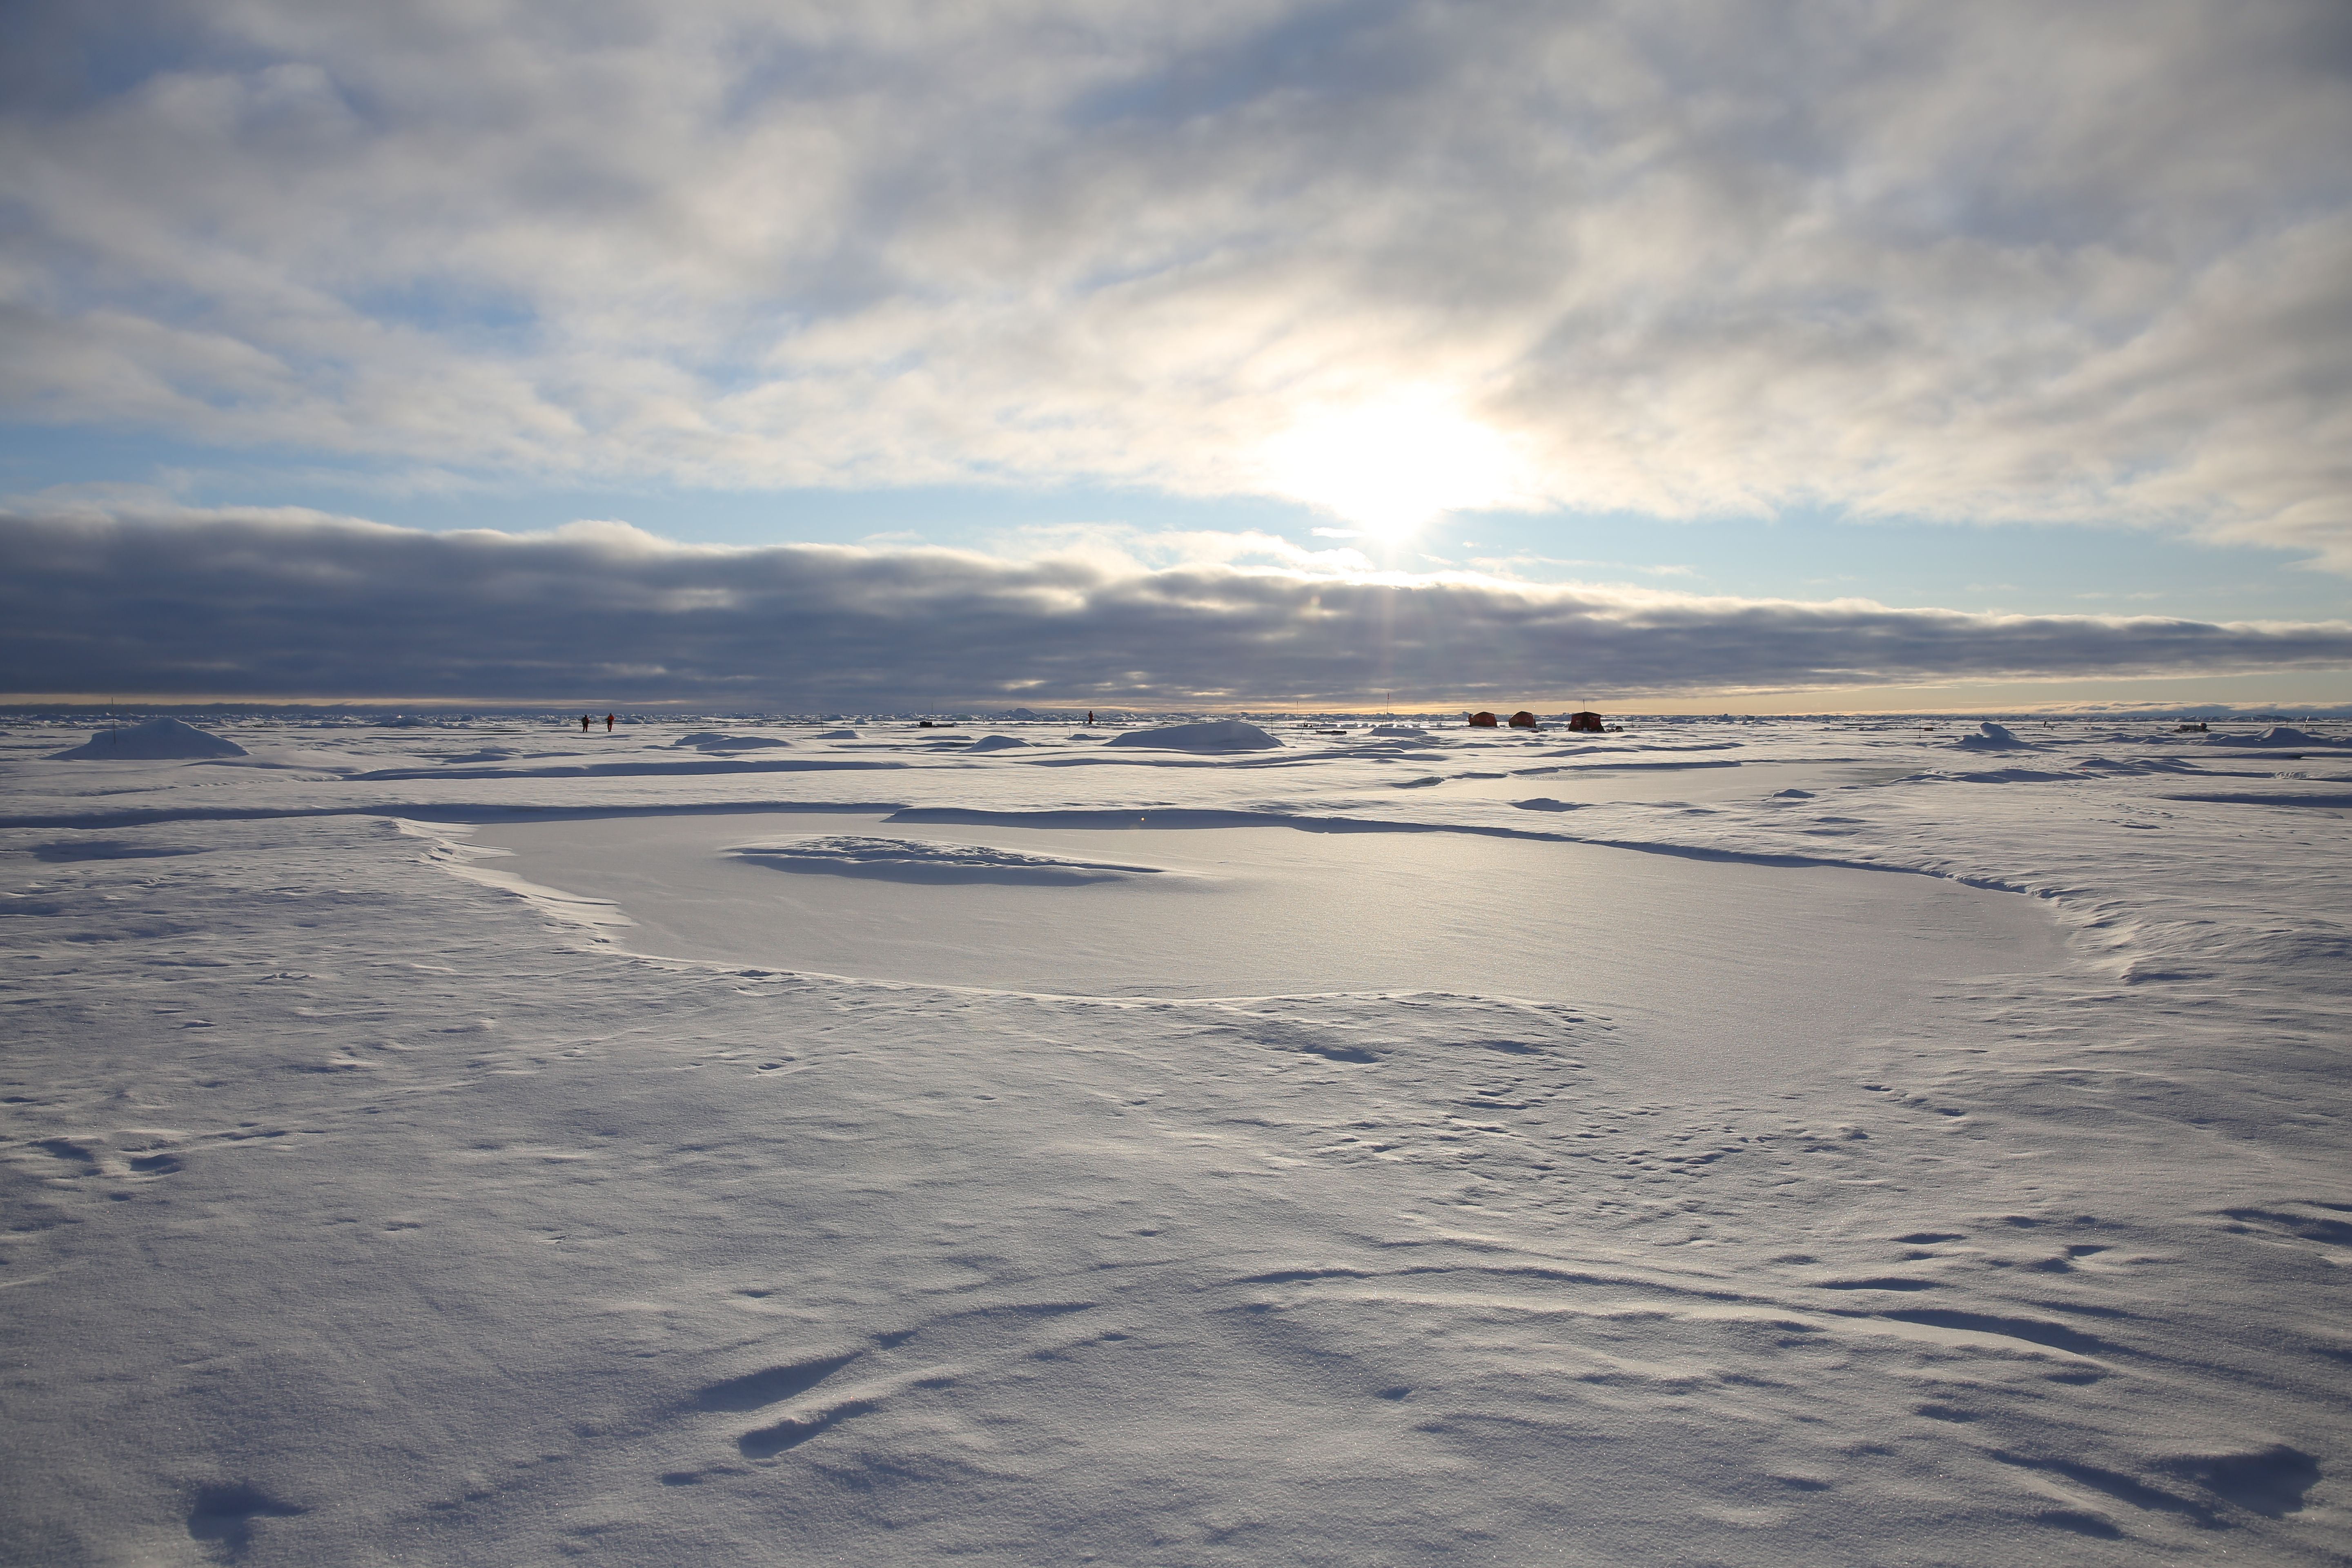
{"x":290,"y":605}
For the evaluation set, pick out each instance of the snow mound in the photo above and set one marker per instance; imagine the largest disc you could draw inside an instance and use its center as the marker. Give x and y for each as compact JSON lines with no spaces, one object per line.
{"x":712,"y":740}
{"x":918,"y":860}
{"x":1992,"y":737}
{"x":995,"y":743}
{"x":2011,"y":776}
{"x":838,"y":735}
{"x":1397,"y":729}
{"x":154,"y":741}
{"x":1221,"y":735}
{"x":2282,"y":735}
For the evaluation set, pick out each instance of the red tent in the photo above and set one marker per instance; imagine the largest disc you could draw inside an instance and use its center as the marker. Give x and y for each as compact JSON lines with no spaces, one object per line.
{"x":1523,"y":719}
{"x":1588,"y":722}
{"x":1482,"y":720}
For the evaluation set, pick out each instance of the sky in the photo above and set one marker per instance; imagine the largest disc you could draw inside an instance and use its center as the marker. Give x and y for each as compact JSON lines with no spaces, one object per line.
{"x":1760,"y":356}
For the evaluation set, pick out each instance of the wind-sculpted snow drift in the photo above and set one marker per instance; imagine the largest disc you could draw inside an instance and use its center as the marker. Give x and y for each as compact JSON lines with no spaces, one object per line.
{"x":714,"y":741}
{"x":2283,"y":735}
{"x":905,"y":861}
{"x":1222,"y":735}
{"x":1992,"y":737}
{"x":154,"y":741}
{"x":483,"y":1144}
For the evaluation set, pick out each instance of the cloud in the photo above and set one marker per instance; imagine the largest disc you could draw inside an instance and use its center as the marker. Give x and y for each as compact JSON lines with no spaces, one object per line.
{"x":2001,"y":260}
{"x":296,"y":605}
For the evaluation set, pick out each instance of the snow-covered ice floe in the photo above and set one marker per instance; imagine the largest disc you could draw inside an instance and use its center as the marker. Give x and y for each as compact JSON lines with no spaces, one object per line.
{"x":472,"y":1146}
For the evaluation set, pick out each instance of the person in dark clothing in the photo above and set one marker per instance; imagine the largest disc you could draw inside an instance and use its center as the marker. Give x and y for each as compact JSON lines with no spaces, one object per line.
{"x":608,"y":723}
{"x":584,"y":723}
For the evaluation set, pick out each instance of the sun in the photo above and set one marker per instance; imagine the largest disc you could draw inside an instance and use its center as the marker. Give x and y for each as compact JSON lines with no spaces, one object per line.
{"x":1392,"y":466}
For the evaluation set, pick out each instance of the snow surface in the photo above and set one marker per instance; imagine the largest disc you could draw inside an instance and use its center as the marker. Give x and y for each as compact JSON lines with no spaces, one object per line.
{"x":1742,"y":1142}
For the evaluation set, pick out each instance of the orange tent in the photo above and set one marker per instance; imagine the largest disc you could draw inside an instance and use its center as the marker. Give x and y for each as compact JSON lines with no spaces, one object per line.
{"x":1523,"y":719}
{"x":1482,"y":720}
{"x":1588,"y":721}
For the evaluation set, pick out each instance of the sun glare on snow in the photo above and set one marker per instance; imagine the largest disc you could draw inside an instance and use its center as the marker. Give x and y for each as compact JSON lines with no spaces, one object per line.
{"x":1392,"y":465}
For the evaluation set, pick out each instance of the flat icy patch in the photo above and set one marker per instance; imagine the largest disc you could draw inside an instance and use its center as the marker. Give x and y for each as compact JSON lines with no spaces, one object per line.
{"x":1794,"y":956}
{"x":914,"y":860}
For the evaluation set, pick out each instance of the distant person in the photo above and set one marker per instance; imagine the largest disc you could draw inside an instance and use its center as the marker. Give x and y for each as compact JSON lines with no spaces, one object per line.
{"x":1090,"y":715}
{"x":584,"y":723}
{"x":608,"y":723}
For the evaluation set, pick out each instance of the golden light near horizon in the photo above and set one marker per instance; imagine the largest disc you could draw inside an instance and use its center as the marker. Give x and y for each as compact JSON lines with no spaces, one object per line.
{"x":1394,"y":466}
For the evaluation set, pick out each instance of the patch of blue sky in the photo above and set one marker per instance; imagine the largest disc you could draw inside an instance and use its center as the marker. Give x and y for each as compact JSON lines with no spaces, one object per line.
{"x":1295,"y":53}
{"x":769,"y":69}
{"x":447,"y":308}
{"x":63,"y":54}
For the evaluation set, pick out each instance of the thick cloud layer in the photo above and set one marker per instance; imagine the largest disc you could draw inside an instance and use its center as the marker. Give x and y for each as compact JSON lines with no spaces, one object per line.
{"x":2000,"y":259}
{"x":299,"y":606}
